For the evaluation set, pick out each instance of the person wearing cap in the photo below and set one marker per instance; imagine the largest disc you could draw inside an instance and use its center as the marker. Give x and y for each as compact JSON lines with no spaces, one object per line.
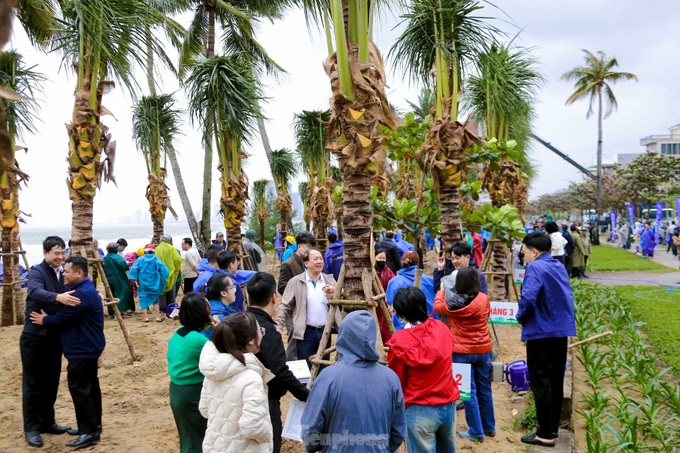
{"x":254,"y":250}
{"x":116,"y":269}
{"x":173,"y":261}
{"x":406,"y":277}
{"x":291,"y":246}
{"x":151,"y":275}
{"x":219,"y":240}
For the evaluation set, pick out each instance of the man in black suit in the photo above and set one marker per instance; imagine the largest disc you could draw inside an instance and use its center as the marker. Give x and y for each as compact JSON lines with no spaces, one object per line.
{"x":41,"y":347}
{"x":262,"y":296}
{"x":391,"y":251}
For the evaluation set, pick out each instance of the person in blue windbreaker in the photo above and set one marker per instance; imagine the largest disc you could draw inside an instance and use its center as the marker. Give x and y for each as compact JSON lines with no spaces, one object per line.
{"x":150,"y":274}
{"x":333,"y":258}
{"x":406,"y":277}
{"x":330,"y":422}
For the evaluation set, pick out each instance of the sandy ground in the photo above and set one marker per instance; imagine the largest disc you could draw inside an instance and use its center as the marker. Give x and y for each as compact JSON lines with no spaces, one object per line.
{"x":137,"y":415}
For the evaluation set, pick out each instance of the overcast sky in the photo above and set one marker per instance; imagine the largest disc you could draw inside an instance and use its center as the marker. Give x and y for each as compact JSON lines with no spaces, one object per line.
{"x":643,"y":36}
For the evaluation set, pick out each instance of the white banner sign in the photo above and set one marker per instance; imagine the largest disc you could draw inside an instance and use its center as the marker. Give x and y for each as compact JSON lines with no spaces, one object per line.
{"x":461,"y":374}
{"x":519,"y":276}
{"x":503,"y":313}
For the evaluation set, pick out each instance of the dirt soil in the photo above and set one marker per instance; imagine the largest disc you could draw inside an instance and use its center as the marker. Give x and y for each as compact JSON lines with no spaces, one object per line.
{"x":136,"y":410}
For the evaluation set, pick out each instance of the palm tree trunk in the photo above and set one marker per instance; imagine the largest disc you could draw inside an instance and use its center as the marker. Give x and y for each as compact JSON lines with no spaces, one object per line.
{"x":339,"y":219}
{"x":262,"y":234}
{"x":598,"y":194}
{"x":357,"y":232}
{"x":9,"y":194}
{"x":497,"y":289}
{"x":207,"y":192}
{"x":452,"y":229}
{"x":232,"y":203}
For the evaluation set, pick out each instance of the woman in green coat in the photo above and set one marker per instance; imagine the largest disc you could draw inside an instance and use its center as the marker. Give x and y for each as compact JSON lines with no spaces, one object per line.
{"x":116,"y":268}
{"x":579,"y":253}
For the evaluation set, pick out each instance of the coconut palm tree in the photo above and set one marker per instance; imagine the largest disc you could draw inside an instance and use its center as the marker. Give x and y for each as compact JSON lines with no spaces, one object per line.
{"x":443,"y":36}
{"x":100,"y":40}
{"x":223,"y":95}
{"x":284,"y":169}
{"x":305,"y":192}
{"x":260,"y":202}
{"x":309,"y":128}
{"x":234,"y":22}
{"x":591,"y":82}
{"x":155,"y":123}
{"x":20,"y":115}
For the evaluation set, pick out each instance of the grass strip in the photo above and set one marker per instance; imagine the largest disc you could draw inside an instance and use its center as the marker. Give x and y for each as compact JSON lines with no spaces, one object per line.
{"x":606,"y":258}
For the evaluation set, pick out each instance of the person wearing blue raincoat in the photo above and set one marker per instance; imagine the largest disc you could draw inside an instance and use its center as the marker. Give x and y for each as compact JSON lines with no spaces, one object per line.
{"x":406,"y":277}
{"x":150,"y":274}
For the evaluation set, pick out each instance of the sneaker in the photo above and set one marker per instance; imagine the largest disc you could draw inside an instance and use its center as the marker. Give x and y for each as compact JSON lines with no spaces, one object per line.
{"x":467,"y":435}
{"x":490,"y":434}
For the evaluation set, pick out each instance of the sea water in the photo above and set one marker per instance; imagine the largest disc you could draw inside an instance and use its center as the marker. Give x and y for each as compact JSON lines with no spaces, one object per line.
{"x":137,"y":235}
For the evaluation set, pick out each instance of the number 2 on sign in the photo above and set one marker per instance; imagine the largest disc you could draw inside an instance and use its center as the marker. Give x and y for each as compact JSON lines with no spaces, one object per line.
{"x":458,"y":378}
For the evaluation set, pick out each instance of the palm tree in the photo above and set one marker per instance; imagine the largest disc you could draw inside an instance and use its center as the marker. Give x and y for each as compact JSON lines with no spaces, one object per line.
{"x":309,"y":128}
{"x":305,"y":192}
{"x":443,"y":36}
{"x":154,"y":125}
{"x":260,"y":202}
{"x":237,"y":21}
{"x":99,"y":40}
{"x":20,"y":115}
{"x":284,"y":169}
{"x":592,"y":81}
{"x":223,"y":95}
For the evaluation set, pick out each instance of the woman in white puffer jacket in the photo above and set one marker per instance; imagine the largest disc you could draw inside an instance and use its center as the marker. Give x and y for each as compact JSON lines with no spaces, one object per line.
{"x":234,"y":395}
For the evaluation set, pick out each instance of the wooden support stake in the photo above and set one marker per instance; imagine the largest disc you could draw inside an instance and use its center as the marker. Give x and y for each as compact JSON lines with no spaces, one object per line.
{"x":589,"y":339}
{"x":382,"y":303}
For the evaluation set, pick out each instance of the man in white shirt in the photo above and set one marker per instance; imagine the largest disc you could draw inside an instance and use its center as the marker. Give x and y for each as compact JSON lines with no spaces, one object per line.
{"x":191,"y":260}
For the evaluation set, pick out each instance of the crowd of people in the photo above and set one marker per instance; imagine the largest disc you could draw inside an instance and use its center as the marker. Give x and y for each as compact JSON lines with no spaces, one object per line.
{"x":227,"y":362}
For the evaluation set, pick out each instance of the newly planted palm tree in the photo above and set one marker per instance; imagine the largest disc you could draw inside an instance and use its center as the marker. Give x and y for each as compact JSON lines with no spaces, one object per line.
{"x":20,"y":115}
{"x":501,"y":97}
{"x":234,"y":23}
{"x":305,"y":192}
{"x":260,"y":201}
{"x":100,"y":40}
{"x":443,"y":36}
{"x":309,"y":128}
{"x":223,"y":95}
{"x":358,"y":105}
{"x":591,"y":82}
{"x":283,"y":169}
{"x":155,"y":123}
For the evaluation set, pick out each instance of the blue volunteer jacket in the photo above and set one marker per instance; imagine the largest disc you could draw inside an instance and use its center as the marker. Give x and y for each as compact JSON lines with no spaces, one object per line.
{"x":406,"y":277}
{"x":546,"y":307}
{"x":82,"y":326}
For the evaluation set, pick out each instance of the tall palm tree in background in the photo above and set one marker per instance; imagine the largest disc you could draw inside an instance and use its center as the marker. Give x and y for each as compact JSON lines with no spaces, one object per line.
{"x":304,"y":190}
{"x":19,"y":119}
{"x":260,"y":205}
{"x":591,"y":81}
{"x":309,"y":128}
{"x":99,"y":40}
{"x":234,"y":22}
{"x":443,"y":36}
{"x":284,"y":169}
{"x":223,"y":96}
{"x":155,"y":123}
{"x":358,"y":104}
{"x":501,"y":97}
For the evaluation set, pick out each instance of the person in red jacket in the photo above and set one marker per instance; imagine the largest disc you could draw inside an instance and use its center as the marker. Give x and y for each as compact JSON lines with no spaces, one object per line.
{"x":420,"y":354}
{"x":468,"y":314}
{"x":477,"y":252}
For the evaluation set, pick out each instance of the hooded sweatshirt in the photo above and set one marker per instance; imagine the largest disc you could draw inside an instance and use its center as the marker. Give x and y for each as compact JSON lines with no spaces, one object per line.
{"x":406,"y":277}
{"x":333,"y":259}
{"x":421,"y":357}
{"x":357,"y":380}
{"x":234,"y":400}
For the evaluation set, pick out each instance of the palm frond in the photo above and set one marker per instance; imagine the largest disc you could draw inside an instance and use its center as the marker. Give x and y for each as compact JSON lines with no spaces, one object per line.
{"x":260,"y":196}
{"x":309,"y":128}
{"x":155,"y":123}
{"x":38,"y":18}
{"x":283,"y":168}
{"x":14,"y":74}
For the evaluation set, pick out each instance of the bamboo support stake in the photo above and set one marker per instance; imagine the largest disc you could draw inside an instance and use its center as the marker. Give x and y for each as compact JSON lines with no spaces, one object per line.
{"x":589,"y":339}
{"x":382,"y":303}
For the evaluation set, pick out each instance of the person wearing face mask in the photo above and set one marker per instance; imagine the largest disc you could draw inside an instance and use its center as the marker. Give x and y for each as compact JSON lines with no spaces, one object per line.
{"x":234,"y":394}
{"x":385,"y":274}
{"x":546,"y":314}
{"x":406,"y":277}
{"x":306,"y":298}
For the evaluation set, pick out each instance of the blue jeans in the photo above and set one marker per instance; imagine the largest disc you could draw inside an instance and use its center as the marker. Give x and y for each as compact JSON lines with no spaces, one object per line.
{"x":310,"y":344}
{"x":431,"y":429}
{"x":479,"y":413}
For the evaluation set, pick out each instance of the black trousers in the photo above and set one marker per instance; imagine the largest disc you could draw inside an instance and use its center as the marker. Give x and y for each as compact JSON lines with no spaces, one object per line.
{"x":569,"y":263}
{"x":189,"y":284}
{"x":546,"y":359}
{"x":41,"y":368}
{"x":83,"y":383}
{"x":277,"y":427}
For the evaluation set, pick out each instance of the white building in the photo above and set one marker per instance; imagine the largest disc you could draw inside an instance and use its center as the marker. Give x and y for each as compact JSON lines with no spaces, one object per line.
{"x":668,"y":145}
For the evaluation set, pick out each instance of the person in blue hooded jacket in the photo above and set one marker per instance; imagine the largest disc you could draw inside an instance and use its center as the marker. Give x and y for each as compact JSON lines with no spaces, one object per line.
{"x":406,"y":277}
{"x":150,"y":274}
{"x":333,"y":257}
{"x":546,"y":313}
{"x":330,"y":422}
{"x":222,"y":262}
